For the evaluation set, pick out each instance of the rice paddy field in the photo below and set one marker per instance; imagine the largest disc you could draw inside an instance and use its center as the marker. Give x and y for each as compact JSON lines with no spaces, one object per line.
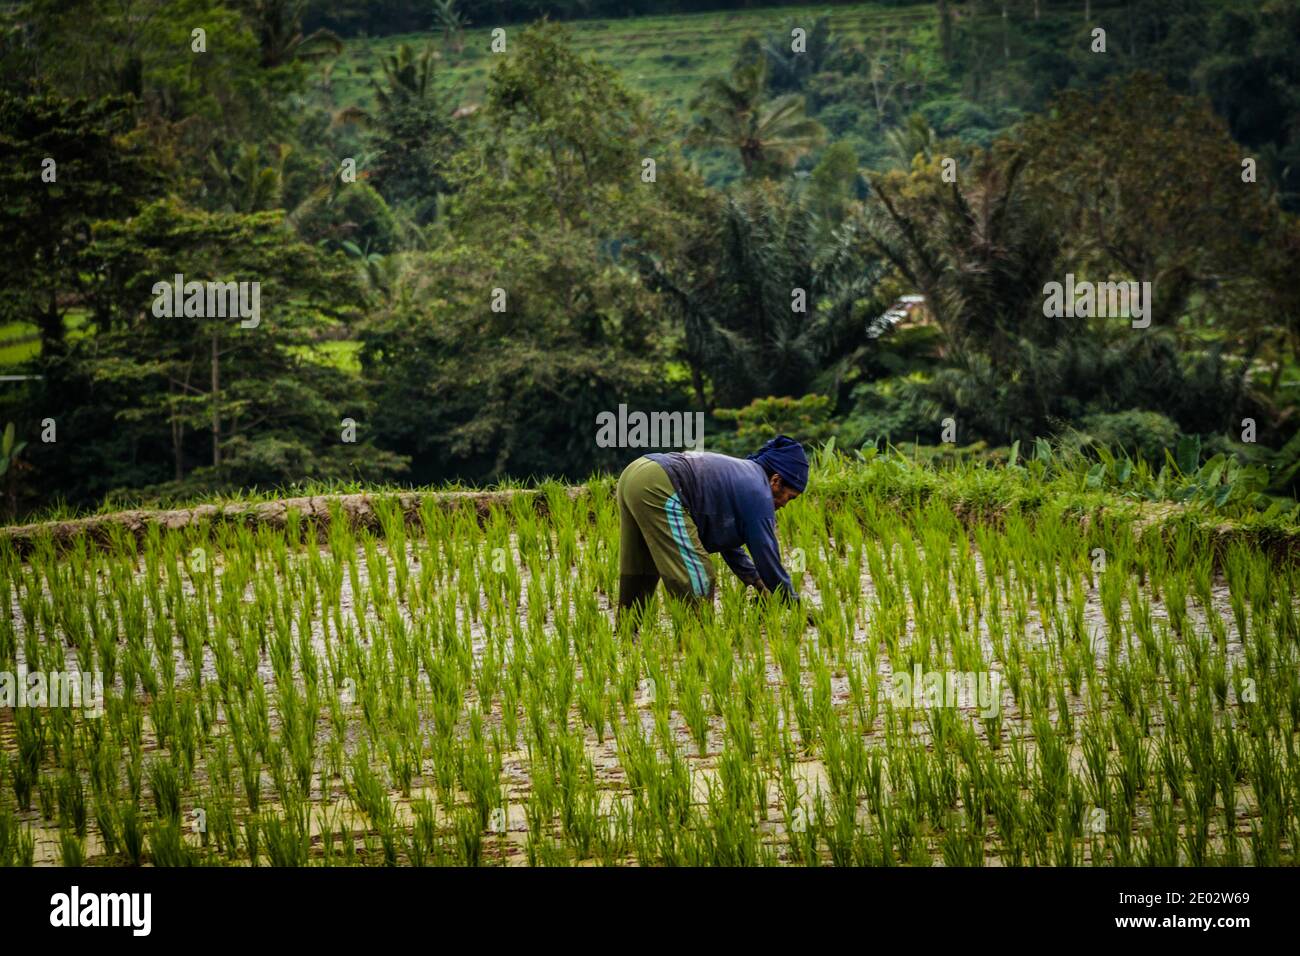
{"x":666,"y":57}
{"x":1117,"y":684}
{"x":20,"y":341}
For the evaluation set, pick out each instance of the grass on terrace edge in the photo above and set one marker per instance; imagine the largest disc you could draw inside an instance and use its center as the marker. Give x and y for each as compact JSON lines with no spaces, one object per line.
{"x":1058,"y":483}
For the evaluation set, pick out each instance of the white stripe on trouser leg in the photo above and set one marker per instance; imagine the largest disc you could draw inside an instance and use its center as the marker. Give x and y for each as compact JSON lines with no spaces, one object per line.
{"x":677,"y":525}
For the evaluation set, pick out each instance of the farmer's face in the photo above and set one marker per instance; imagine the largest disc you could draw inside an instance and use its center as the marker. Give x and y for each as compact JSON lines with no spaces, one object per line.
{"x":782,"y":494}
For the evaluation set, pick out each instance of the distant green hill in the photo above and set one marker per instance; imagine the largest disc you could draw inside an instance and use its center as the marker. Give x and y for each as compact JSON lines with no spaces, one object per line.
{"x":666,"y":56}
{"x":982,"y":91}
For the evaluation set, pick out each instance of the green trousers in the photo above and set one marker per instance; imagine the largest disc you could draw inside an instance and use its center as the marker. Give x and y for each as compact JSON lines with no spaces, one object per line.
{"x":657,"y":539}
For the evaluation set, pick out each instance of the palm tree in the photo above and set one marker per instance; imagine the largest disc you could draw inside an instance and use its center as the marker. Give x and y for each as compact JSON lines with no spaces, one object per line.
{"x":408,"y":77}
{"x":278,"y":25}
{"x":733,"y":289}
{"x":408,"y":80}
{"x":453,"y":23}
{"x":769,"y":135}
{"x":253,"y":182}
{"x":788,"y":70}
{"x":913,"y":138}
{"x":977,"y":251}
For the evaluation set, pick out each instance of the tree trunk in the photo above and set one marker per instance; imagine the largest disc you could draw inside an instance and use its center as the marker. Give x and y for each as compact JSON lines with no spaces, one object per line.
{"x":697,"y":383}
{"x":1276,"y":378}
{"x":178,"y":437}
{"x":945,"y":30}
{"x":49,"y":322}
{"x":216,"y":404}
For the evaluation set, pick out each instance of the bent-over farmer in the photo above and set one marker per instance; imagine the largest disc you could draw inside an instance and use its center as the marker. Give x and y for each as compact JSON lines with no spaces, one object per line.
{"x":677,"y":508}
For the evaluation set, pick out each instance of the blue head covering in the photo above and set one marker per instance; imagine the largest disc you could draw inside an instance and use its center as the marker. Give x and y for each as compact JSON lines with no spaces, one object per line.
{"x":786,"y":457}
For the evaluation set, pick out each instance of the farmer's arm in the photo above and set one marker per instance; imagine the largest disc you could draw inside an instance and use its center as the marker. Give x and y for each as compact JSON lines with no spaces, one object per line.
{"x":760,"y":538}
{"x":743,"y":568}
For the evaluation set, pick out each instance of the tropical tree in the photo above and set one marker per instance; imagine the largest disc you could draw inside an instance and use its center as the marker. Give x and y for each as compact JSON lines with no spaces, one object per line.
{"x":145,"y":49}
{"x":408,"y":76}
{"x":766,"y":307}
{"x":278,"y":27}
{"x":239,"y":398}
{"x":452,"y":23}
{"x":980,"y":250}
{"x":788,"y":68}
{"x":63,"y":165}
{"x":911,"y":139}
{"x":1148,"y":185}
{"x":529,"y":317}
{"x":252,"y":182}
{"x":977,"y":248}
{"x":1253,"y":80}
{"x":833,"y":183}
{"x":413,"y":134}
{"x":734,"y":113}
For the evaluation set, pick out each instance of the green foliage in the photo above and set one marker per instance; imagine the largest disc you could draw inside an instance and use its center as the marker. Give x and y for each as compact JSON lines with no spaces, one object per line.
{"x":452,"y":22}
{"x":239,"y":404}
{"x":807,"y":418}
{"x":1221,"y":481}
{"x":977,"y":248}
{"x":190,"y":101}
{"x":768,"y":135}
{"x":246,"y":185}
{"x":525,"y":173}
{"x":1141,"y":434}
{"x":101,"y":171}
{"x":1253,"y":79}
{"x":278,"y":26}
{"x":897,"y":409}
{"x":981,"y":249}
{"x":1193,"y":233}
{"x":10,"y":449}
{"x":766,"y":301}
{"x":833,"y":183}
{"x":1285,"y":467}
{"x":356,"y":216}
{"x":788,"y":70}
{"x":548,"y":209}
{"x":561,"y":141}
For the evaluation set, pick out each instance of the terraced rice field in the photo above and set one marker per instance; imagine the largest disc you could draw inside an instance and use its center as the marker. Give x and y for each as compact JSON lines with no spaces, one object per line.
{"x":666,"y":57}
{"x":450,"y":687}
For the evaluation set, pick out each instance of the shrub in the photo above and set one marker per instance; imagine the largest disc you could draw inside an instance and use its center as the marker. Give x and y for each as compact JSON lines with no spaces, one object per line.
{"x":806,"y":418}
{"x":357,"y":214}
{"x":894,"y":410}
{"x":1140,"y":433}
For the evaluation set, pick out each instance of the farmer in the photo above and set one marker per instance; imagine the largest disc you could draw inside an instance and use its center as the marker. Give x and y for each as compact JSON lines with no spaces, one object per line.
{"x":676,"y":509}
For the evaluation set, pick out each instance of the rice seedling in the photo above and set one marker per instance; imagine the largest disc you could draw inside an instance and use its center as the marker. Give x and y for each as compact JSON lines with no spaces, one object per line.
{"x":132,"y":833}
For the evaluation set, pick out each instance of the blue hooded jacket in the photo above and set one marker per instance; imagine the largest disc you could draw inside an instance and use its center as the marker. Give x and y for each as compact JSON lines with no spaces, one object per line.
{"x":730,"y":501}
